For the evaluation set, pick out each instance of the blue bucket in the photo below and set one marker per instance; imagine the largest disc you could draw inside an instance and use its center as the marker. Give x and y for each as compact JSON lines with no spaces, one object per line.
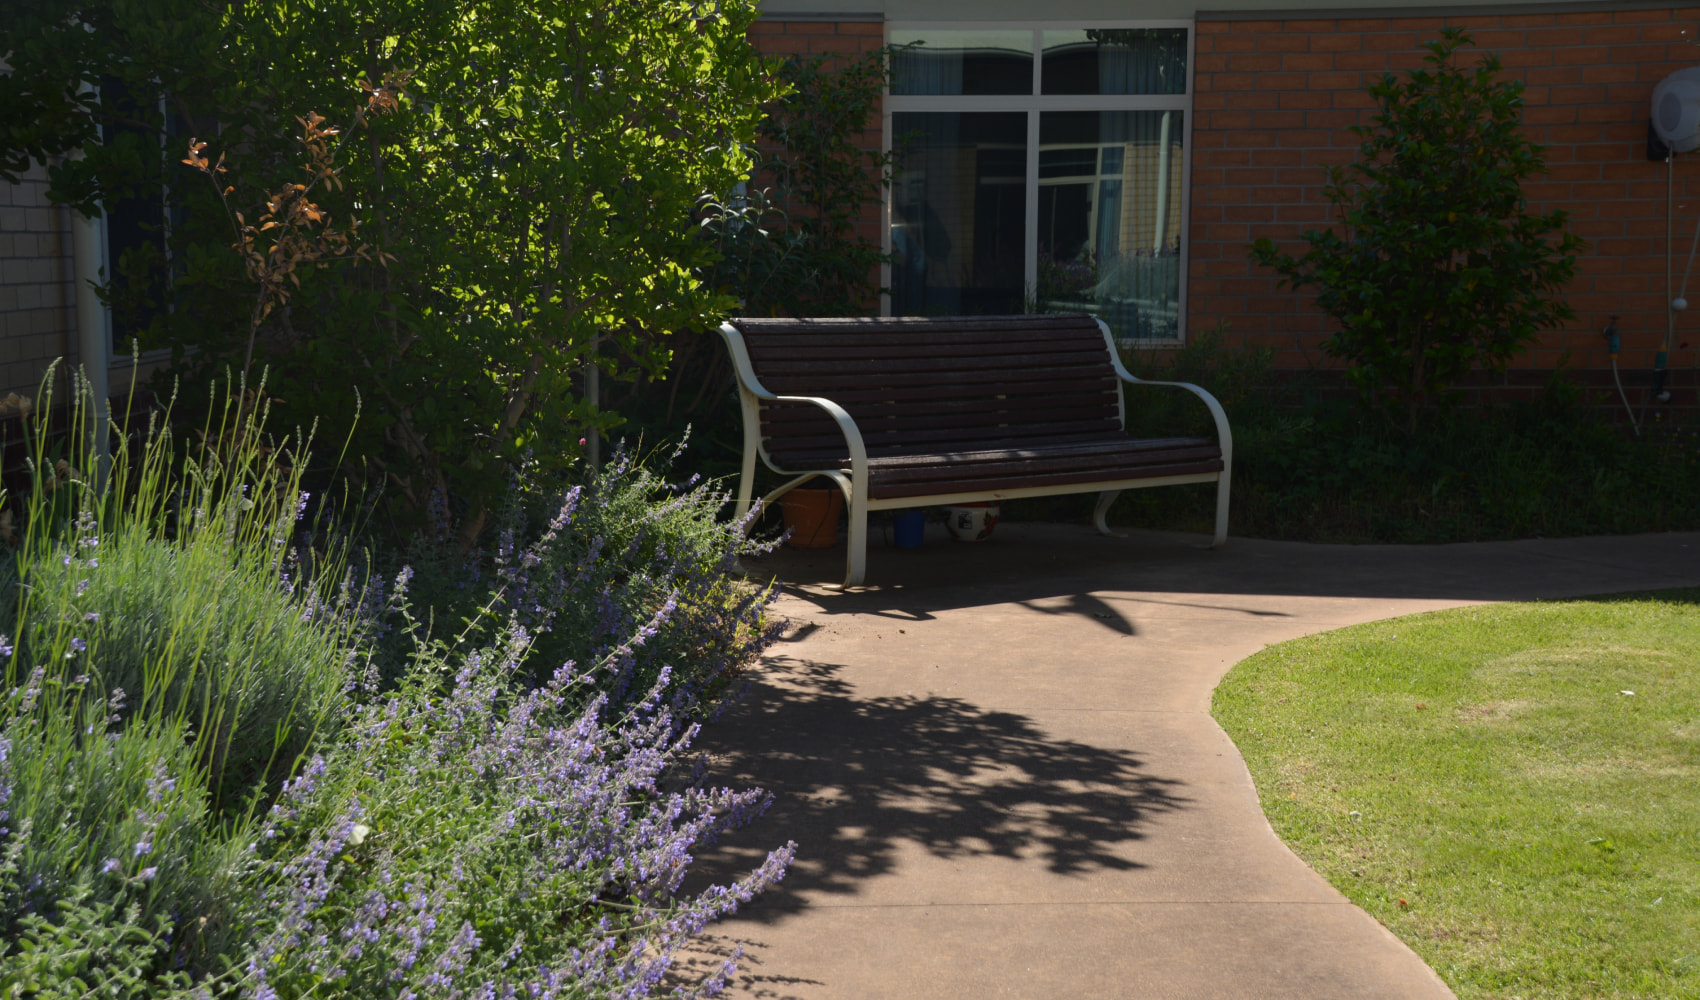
{"x":909,"y":527}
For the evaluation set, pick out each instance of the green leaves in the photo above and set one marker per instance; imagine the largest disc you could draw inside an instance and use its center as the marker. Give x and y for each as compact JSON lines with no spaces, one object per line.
{"x":1439,"y":267}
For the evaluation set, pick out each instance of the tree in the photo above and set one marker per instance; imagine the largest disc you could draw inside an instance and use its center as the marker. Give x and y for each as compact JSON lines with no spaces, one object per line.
{"x":1440,"y":266}
{"x":536,"y":182}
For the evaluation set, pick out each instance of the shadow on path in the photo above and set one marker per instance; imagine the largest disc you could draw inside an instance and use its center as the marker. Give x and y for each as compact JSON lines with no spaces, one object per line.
{"x":854,"y":779}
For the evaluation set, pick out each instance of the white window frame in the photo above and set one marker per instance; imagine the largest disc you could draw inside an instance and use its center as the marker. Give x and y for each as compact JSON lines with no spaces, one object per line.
{"x":1032,"y":104}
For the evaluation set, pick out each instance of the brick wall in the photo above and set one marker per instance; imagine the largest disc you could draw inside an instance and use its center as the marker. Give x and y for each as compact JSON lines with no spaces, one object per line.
{"x":841,"y":39}
{"x":1274,"y":100}
{"x":37,"y":300}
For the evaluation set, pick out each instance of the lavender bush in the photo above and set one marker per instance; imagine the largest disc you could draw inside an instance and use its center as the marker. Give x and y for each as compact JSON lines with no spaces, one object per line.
{"x":477,"y":826}
{"x":480,"y":840}
{"x":625,"y":570}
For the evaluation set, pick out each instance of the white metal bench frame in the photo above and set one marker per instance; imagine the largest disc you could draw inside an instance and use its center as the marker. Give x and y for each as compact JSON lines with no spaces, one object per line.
{"x":752,"y":394}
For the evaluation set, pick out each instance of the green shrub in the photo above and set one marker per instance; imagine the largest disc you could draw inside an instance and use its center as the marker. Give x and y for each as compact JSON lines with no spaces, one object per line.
{"x":1440,"y":266}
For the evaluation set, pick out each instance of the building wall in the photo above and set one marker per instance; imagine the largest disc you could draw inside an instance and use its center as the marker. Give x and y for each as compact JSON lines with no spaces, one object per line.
{"x":834,"y":38}
{"x":37,"y":299}
{"x":1275,"y":98}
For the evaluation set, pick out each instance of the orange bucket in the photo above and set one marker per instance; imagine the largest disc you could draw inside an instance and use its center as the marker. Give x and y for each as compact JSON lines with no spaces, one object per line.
{"x":812,"y":517}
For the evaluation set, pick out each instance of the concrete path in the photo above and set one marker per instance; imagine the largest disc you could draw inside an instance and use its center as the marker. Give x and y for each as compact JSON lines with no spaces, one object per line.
{"x":1000,"y":769}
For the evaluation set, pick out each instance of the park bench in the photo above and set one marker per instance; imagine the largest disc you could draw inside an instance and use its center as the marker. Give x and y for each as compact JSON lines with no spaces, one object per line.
{"x":921,"y":412}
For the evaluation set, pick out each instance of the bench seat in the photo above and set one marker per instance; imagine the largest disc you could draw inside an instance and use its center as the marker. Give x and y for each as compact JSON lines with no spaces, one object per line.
{"x":918,"y":412}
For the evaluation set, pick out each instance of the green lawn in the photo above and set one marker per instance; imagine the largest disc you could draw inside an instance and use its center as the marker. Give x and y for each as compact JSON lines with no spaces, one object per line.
{"x":1514,"y":790}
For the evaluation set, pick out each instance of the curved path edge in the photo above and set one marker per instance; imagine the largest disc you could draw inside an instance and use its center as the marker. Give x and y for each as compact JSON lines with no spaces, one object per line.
{"x":1000,"y":769}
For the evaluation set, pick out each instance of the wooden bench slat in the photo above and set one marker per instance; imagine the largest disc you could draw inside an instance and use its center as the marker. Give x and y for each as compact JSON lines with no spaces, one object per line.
{"x":920,"y":440}
{"x":887,"y":353}
{"x":928,"y":385}
{"x":894,"y":491}
{"x":879,"y":367}
{"x":918,"y":325}
{"x":1043,"y":465}
{"x":982,"y":410}
{"x":872,"y":344}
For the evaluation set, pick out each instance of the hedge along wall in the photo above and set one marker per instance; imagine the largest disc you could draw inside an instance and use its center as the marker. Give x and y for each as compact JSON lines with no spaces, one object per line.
{"x":835,"y":36}
{"x":1274,"y":100}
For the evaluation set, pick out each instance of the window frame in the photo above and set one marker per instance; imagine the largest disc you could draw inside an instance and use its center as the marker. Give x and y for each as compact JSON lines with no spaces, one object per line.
{"x":1033,"y":104}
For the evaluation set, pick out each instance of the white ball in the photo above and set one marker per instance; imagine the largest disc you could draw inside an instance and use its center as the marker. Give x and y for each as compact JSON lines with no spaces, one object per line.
{"x":1678,"y":304}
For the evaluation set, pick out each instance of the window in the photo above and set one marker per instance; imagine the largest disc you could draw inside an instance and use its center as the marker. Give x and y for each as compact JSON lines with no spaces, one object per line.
{"x":1041,"y":168}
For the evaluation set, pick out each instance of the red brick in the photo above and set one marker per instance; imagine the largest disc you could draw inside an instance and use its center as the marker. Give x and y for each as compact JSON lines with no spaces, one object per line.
{"x":1516,"y":58}
{"x":1254,"y":62}
{"x":1553,"y":76}
{"x":1227,"y":82}
{"x":1633,"y":54}
{"x":1336,"y":81}
{"x":1574,"y":95}
{"x":871,"y":29}
{"x":1667,"y":32}
{"x":1281,"y":81}
{"x":1331,"y":119}
{"x":1373,"y":62}
{"x":1392,"y":41}
{"x":1580,"y":55}
{"x":1362,"y":24}
{"x":1616,"y":34}
{"x":1282,"y":43}
{"x":1302,"y":27}
{"x":1204,"y":63}
{"x":1639,"y":16}
{"x":1305,"y":100}
{"x":809,"y":27}
{"x":840,"y":44}
{"x":1343,"y":42}
{"x":1509,"y":38}
{"x":1307,"y":62}
{"x":1608,"y":73}
{"x":1235,"y":43}
{"x":1279,"y":120}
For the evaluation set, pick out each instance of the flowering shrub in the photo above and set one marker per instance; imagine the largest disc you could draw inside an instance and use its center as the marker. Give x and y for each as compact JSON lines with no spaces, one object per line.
{"x":474,"y":839}
{"x":625,"y":570}
{"x":261,"y":817}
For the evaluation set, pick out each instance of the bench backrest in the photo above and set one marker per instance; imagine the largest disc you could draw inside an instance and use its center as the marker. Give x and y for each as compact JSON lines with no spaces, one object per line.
{"x":921,"y":385}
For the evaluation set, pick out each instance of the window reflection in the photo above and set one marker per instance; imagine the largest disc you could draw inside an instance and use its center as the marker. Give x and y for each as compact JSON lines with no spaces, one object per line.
{"x":1109,"y":218}
{"x":959,"y":202}
{"x":962,"y":62}
{"x":1115,"y":61}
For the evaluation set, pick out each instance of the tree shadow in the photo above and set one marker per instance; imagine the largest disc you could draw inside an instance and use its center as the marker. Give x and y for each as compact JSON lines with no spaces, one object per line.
{"x":854,"y":779}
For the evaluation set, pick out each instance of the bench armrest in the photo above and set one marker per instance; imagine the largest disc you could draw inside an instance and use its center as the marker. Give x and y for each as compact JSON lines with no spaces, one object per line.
{"x":751,"y":393}
{"x":1224,"y":434}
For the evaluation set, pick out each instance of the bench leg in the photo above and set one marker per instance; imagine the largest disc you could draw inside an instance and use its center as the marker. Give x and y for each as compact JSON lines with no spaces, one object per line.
{"x":1221,"y":510}
{"x":1105,"y":499}
{"x":856,"y":559}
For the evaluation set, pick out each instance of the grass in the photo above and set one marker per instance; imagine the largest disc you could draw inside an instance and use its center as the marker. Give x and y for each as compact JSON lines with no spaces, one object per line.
{"x":1513,"y":790}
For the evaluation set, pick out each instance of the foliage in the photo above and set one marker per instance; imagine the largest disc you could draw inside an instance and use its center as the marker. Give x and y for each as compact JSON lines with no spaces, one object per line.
{"x":1439,"y":266}
{"x":1510,"y":789}
{"x":1309,"y":467}
{"x":790,"y":247}
{"x":169,"y":662}
{"x":537,"y":182}
{"x":204,"y":791}
{"x":624,"y":569}
{"x":473,"y":839}
{"x":793,"y":243}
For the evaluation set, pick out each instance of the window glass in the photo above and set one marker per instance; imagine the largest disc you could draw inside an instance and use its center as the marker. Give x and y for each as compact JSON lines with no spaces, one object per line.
{"x":1115,"y":61}
{"x":962,"y":62}
{"x":959,"y":210}
{"x":1109,"y":237}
